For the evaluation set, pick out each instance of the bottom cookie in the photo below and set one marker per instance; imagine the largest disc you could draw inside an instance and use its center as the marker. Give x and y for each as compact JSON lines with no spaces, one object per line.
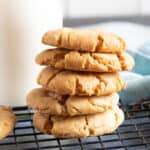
{"x":7,"y":121}
{"x":79,"y":126}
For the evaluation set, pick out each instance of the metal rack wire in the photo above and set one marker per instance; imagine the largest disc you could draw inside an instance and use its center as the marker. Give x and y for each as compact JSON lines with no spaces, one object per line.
{"x":134,"y":134}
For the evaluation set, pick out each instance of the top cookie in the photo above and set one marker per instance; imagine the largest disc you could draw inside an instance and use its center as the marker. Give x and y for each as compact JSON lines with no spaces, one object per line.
{"x":84,"y":40}
{"x":7,"y":121}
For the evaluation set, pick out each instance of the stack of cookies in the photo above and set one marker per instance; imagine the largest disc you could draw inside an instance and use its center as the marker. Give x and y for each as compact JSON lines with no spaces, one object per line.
{"x":79,"y":83}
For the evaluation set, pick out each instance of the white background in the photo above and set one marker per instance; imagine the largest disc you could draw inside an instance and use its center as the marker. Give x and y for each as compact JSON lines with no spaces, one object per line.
{"x":22,"y":24}
{"x":86,"y":8}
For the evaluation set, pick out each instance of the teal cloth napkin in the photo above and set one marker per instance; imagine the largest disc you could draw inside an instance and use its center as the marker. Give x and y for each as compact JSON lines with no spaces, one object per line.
{"x":138,"y":81}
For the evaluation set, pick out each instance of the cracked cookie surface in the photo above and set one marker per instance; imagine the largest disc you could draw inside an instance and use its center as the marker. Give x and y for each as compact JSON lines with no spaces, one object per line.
{"x":79,"y":126}
{"x":84,"y":40}
{"x":7,"y":121}
{"x":53,"y":104}
{"x":82,"y":84}
{"x":84,"y":61}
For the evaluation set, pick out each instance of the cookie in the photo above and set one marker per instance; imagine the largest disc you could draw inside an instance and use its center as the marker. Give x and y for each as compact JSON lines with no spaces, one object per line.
{"x":7,"y":121}
{"x":53,"y":104}
{"x":79,"y":126}
{"x":82,"y":84}
{"x":84,"y":40}
{"x":84,"y":61}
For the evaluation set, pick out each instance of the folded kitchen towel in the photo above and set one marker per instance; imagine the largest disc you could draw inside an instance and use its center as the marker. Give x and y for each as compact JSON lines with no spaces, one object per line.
{"x":138,"y":81}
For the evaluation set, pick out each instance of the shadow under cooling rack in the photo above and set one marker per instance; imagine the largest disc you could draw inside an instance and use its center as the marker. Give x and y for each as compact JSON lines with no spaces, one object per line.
{"x":133,"y":134}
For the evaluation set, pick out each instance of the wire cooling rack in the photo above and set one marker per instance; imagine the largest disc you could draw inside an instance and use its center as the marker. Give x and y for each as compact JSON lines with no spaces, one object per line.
{"x":133,"y":134}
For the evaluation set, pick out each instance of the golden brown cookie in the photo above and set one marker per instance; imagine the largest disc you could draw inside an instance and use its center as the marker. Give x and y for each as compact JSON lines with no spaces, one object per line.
{"x":84,"y":40}
{"x":81,"y":84}
{"x":79,"y":126}
{"x":53,"y":104}
{"x":85,"y":61}
{"x":7,"y":121}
